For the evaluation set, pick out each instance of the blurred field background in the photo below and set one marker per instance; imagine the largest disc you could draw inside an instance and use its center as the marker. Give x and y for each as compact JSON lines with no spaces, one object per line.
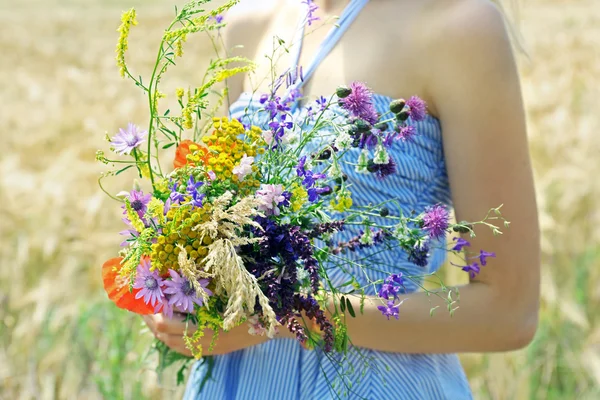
{"x":60,"y":92}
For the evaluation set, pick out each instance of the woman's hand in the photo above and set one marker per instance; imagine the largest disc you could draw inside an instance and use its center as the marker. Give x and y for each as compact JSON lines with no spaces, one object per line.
{"x":171,"y":331}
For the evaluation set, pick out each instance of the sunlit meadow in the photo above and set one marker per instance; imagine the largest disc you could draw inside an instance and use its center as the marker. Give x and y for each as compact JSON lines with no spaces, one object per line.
{"x":60,"y":91}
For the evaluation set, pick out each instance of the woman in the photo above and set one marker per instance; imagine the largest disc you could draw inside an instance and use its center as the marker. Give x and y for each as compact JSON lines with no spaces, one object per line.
{"x":456,"y":56}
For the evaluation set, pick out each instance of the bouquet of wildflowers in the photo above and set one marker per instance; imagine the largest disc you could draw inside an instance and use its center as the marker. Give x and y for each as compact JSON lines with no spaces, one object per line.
{"x":244,"y":222}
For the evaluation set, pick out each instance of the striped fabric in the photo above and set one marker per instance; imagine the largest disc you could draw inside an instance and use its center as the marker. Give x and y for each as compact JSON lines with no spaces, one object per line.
{"x":281,"y":368}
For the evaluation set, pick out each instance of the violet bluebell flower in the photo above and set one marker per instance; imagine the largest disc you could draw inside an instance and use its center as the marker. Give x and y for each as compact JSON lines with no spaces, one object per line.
{"x":391,"y":310}
{"x":321,"y":102}
{"x":193,"y":186}
{"x":392,"y":285}
{"x":280,"y":126}
{"x":310,"y":15}
{"x":472,"y":269}
{"x":149,"y":283}
{"x":183,"y":294}
{"x":196,"y":200}
{"x":460,"y":243}
{"x":359,"y":103}
{"x":300,"y":171}
{"x":128,"y":139}
{"x":417,"y":108}
{"x":314,"y":193}
{"x":483,"y":255}
{"x":310,"y":178}
{"x":175,"y":196}
{"x":435,"y":221}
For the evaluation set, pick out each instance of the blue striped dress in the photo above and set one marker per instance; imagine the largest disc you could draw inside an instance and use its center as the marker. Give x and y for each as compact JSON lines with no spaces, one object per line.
{"x":282,"y":368}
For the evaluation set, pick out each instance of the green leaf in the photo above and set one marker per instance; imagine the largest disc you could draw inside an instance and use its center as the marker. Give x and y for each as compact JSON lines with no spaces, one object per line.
{"x":350,"y":308}
{"x":123,"y":169}
{"x":343,"y":304}
{"x":166,"y":146}
{"x":167,"y":112}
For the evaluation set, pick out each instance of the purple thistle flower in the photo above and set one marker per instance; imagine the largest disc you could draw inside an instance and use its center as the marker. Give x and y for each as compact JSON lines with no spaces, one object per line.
{"x":391,"y":310}
{"x":359,"y":103}
{"x":417,"y":108}
{"x":435,"y":221}
{"x":126,"y":140}
{"x":183,"y":295}
{"x":406,"y":132}
{"x":388,"y":141}
{"x":483,"y":255}
{"x":149,"y":283}
{"x":460,"y":243}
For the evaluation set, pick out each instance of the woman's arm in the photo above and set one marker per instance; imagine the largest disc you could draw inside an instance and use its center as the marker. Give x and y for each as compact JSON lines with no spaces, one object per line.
{"x":474,"y":84}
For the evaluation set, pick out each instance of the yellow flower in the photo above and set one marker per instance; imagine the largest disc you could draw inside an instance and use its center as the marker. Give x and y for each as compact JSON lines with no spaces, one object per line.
{"x":128,"y":19}
{"x":344,"y":202}
{"x":133,"y":216}
{"x":299,"y":197}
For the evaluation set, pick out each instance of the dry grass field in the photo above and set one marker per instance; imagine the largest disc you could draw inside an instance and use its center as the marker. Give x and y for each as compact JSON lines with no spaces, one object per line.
{"x":60,"y":91}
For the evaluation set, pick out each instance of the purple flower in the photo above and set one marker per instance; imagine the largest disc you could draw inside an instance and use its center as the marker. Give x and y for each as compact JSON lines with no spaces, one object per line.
{"x":127,"y":140}
{"x":417,"y":108}
{"x":385,"y":170}
{"x":312,"y":7}
{"x":391,"y":310}
{"x":139,"y":202}
{"x":359,"y":103}
{"x":132,"y":235}
{"x":175,"y":196}
{"x":280,"y":126}
{"x":149,"y":283}
{"x":314,"y":193}
{"x":183,"y":295}
{"x":219,"y":18}
{"x":197,"y":199}
{"x":406,"y":132}
{"x":321,"y":102}
{"x":392,"y":285}
{"x":193,"y":186}
{"x":460,"y":243}
{"x":310,"y":178}
{"x":435,"y":221}
{"x":388,"y":141}
{"x":263,"y":98}
{"x":483,"y":255}
{"x":472,"y":269}
{"x":300,"y":167}
{"x":419,"y":254}
{"x":270,"y":196}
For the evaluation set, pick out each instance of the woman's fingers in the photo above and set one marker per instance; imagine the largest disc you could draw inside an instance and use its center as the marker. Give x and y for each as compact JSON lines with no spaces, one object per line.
{"x":158,"y":323}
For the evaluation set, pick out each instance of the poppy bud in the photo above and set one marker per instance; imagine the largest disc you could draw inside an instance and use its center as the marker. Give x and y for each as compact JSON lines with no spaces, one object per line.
{"x":325,"y":154}
{"x":384,"y":212}
{"x":343,"y":91}
{"x":397,"y":106}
